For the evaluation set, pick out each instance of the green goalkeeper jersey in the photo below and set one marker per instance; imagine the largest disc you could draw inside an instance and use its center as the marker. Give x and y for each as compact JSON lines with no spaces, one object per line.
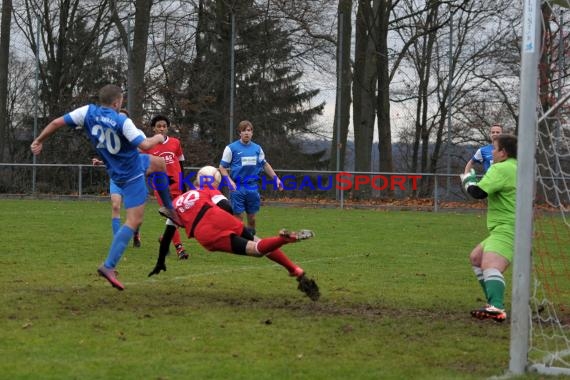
{"x":500,"y":184}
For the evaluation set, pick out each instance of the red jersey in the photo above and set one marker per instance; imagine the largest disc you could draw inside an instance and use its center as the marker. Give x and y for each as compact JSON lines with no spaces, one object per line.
{"x":216,"y":225}
{"x":171,"y":151}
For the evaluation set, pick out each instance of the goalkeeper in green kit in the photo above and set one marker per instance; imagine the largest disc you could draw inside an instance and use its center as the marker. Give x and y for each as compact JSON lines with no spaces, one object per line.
{"x":491,"y":258}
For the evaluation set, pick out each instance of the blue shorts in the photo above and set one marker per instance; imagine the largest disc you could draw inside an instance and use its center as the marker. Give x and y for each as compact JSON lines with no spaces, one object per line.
{"x":144,"y":160}
{"x":135,"y":192}
{"x":245,"y":200}
{"x":114,"y":189}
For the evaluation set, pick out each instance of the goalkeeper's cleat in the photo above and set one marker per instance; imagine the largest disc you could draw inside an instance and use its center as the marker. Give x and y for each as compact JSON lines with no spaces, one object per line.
{"x":110,"y":275}
{"x":172,"y":215}
{"x":137,"y":239}
{"x":294,"y":236}
{"x":489,"y":312}
{"x":181,"y":252}
{"x":309,"y":287}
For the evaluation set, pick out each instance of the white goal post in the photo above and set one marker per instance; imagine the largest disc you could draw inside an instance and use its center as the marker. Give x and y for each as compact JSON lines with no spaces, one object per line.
{"x":540,"y":323}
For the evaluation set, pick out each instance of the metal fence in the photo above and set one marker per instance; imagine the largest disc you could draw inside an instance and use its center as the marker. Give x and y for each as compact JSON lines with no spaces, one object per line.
{"x":426,"y":191}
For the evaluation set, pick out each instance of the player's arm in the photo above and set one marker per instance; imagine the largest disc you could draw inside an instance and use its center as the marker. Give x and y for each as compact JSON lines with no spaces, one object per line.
{"x":468,"y":166}
{"x":225,"y":163}
{"x":183,"y":186}
{"x":226,"y":174}
{"x":97,"y":162}
{"x":476,"y":192}
{"x":271,"y":173}
{"x":477,"y":158}
{"x":138,"y":138}
{"x":470,"y":185}
{"x":148,"y":143}
{"x":222,"y":202}
{"x":49,"y":130}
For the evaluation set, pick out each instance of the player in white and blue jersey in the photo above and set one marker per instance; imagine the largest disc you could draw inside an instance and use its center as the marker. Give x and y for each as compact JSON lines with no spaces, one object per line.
{"x":242,"y":163}
{"x":484,"y":155}
{"x":116,"y":194}
{"x":117,"y":141}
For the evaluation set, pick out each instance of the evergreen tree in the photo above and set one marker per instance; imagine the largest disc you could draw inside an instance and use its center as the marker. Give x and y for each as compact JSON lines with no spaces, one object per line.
{"x":268,"y":91}
{"x":267,"y":85}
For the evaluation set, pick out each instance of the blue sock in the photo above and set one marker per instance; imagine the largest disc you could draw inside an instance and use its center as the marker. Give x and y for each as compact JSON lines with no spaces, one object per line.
{"x":118,"y":246}
{"x":165,"y":196}
{"x":116,"y":224}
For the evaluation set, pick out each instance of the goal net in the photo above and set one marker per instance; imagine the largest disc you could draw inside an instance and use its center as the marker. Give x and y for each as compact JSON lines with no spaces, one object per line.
{"x":549,"y":297}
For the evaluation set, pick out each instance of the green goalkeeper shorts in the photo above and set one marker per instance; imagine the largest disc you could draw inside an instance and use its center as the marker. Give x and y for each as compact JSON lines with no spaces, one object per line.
{"x":501,"y":241}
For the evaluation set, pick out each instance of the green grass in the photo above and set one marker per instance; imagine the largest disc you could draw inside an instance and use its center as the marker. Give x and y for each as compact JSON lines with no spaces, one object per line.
{"x":396,"y":293}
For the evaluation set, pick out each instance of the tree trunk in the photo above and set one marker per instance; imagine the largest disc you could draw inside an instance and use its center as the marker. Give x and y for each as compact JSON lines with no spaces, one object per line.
{"x":345,"y":12}
{"x":386,"y":163}
{"x":4,"y":60}
{"x":364,"y":88}
{"x":137,"y":60}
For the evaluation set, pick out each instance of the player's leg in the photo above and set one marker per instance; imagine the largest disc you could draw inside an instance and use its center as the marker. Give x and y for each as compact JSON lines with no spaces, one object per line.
{"x":476,"y":257}
{"x":228,"y":235}
{"x":264,"y":246}
{"x":277,"y":256}
{"x":237,"y":200}
{"x":252,"y":206}
{"x":134,"y":194}
{"x":250,"y":218}
{"x":177,"y":242}
{"x":305,"y":284}
{"x":176,"y":239}
{"x":116,"y":200}
{"x":165,"y":240}
{"x":137,"y":238}
{"x":497,"y":255}
{"x":158,"y":180}
{"x":494,"y":266}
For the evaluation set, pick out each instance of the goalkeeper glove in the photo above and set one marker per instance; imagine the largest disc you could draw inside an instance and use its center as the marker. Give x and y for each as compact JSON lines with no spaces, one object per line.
{"x":468,"y":179}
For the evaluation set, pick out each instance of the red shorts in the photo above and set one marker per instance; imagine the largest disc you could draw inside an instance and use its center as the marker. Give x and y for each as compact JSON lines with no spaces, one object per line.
{"x":215,"y":228}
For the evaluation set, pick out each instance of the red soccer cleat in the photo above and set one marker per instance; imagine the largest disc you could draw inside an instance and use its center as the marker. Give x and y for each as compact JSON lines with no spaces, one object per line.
{"x":111,"y":276}
{"x":489,"y":312}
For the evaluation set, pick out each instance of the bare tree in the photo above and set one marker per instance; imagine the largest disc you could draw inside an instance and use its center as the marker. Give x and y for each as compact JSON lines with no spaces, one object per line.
{"x":137,"y":55}
{"x":342,"y":109}
{"x":364,"y":86}
{"x":5,"y":26}
{"x":469,"y":73}
{"x":70,"y":45}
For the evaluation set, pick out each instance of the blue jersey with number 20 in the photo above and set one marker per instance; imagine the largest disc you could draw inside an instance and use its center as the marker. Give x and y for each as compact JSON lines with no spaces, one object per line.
{"x":114,"y":136}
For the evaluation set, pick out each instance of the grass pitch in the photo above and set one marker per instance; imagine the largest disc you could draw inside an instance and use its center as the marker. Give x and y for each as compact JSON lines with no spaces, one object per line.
{"x":396,"y":291}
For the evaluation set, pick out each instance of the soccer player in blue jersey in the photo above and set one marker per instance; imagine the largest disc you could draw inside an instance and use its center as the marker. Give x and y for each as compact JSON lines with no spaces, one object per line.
{"x":241,"y":165}
{"x":484,"y":155}
{"x":117,"y":199}
{"x":117,"y":140}
{"x":245,"y":160}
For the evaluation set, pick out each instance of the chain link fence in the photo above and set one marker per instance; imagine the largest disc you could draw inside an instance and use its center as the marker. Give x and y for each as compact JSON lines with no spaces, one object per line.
{"x":423,"y":191}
